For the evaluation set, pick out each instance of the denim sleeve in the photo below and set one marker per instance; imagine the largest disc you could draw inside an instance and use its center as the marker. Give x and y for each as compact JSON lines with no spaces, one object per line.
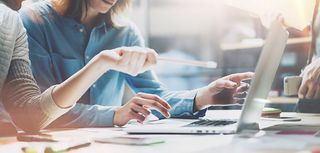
{"x":182,"y":102}
{"x":42,"y":67}
{"x":41,"y":61}
{"x":82,"y":115}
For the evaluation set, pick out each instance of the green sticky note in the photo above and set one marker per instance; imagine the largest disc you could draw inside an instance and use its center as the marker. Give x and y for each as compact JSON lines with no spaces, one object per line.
{"x":271,"y":110}
{"x":29,"y":150}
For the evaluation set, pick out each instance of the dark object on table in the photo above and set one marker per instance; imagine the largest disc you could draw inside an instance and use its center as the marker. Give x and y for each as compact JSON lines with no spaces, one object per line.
{"x":35,"y":138}
{"x":82,"y":145}
{"x":308,"y":106}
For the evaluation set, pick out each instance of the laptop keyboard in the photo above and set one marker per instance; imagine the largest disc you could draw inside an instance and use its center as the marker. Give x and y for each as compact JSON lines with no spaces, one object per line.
{"x":207,"y":123}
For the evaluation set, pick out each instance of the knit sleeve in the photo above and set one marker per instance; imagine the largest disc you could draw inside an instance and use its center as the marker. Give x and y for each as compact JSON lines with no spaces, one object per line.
{"x":29,"y":109}
{"x":21,"y":50}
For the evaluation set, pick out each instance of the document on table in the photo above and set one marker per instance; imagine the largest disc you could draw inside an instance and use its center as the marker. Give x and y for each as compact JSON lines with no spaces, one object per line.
{"x":296,"y":13}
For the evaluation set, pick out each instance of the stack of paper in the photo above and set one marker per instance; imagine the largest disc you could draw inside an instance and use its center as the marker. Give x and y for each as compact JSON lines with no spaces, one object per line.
{"x":296,"y":13}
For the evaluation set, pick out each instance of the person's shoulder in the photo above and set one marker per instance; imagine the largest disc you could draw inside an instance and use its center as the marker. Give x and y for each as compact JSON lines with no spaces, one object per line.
{"x":36,"y":11}
{"x":131,"y":32}
{"x":8,"y":17}
{"x":40,"y":8}
{"x":5,"y":10}
{"x":127,"y":26}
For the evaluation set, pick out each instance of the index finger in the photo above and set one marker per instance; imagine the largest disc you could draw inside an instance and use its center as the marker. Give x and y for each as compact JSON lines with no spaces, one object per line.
{"x":241,"y":76}
{"x":155,"y":98}
{"x":154,"y":104}
{"x":303,"y":90}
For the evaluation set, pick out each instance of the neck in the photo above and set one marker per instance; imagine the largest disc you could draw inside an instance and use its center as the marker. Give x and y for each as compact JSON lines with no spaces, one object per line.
{"x":60,"y":6}
{"x":89,"y":18}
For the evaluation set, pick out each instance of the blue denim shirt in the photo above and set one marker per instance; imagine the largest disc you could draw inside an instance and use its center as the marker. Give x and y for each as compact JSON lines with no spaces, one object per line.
{"x":59,"y":47}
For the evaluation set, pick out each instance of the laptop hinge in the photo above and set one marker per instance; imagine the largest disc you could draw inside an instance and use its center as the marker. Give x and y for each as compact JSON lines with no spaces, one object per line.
{"x":248,"y":126}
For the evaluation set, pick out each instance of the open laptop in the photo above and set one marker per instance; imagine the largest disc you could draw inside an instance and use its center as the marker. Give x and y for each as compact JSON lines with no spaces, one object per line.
{"x":265,"y":72}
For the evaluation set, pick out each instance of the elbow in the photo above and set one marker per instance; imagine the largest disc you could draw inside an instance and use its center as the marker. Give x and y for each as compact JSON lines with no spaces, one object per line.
{"x":30,"y":129}
{"x":27,"y":125}
{"x":29,"y":122}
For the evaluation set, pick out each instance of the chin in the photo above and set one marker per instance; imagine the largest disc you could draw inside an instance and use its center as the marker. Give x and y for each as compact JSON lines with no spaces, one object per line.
{"x":17,"y":7}
{"x":19,"y":4}
{"x":105,"y":10}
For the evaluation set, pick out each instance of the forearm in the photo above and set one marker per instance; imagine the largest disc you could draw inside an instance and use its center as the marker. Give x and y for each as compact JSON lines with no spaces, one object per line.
{"x":82,"y":115}
{"x":71,"y":90}
{"x":29,"y":109}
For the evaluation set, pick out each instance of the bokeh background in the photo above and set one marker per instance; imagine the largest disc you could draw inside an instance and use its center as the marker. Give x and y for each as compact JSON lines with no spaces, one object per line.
{"x":209,"y":30}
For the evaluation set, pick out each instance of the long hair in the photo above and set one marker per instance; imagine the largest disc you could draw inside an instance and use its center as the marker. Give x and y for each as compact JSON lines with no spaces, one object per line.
{"x":74,"y":9}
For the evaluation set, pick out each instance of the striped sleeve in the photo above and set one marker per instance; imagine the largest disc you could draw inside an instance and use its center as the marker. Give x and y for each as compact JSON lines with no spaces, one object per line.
{"x":29,"y":109}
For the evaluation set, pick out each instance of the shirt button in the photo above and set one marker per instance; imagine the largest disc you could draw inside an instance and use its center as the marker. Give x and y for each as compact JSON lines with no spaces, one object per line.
{"x":81,"y":30}
{"x":94,"y":85}
{"x":87,"y":57}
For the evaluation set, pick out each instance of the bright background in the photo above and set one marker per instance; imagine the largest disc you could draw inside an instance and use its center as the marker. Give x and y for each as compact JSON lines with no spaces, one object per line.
{"x":210,"y":30}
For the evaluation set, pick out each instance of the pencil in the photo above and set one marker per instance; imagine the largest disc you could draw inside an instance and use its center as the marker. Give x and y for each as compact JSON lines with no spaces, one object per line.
{"x":204,"y":64}
{"x":50,"y":150}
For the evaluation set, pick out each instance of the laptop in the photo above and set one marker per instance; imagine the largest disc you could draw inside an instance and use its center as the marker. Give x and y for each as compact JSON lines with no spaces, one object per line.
{"x":265,"y":72}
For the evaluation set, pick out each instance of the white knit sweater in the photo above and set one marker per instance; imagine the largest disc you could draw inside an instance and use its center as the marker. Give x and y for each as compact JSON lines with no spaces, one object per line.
{"x":29,"y":109}
{"x":12,"y":45}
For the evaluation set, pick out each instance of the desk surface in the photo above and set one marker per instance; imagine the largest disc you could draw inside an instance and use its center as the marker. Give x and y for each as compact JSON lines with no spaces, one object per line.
{"x":180,"y":143}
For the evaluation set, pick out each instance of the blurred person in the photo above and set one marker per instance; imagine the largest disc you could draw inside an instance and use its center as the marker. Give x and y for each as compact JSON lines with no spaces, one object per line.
{"x":65,"y":34}
{"x":310,"y":85}
{"x":22,"y":98}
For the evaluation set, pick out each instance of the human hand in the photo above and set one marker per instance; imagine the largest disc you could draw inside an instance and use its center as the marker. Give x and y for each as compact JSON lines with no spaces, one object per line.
{"x":226,"y":90}
{"x":310,"y":86}
{"x":138,"y":108}
{"x":130,"y":60}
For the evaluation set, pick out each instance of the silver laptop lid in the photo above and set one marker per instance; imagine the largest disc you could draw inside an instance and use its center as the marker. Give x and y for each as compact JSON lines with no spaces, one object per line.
{"x":265,"y":72}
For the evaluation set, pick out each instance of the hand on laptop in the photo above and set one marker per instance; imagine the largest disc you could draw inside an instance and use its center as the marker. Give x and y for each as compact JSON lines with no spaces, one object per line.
{"x":138,"y":108}
{"x":310,"y":86}
{"x":226,"y":90}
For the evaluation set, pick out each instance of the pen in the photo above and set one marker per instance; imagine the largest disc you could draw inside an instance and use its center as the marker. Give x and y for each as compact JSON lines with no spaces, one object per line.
{"x":79,"y":146}
{"x":50,"y":150}
{"x":204,"y":64}
{"x":34,"y":138}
